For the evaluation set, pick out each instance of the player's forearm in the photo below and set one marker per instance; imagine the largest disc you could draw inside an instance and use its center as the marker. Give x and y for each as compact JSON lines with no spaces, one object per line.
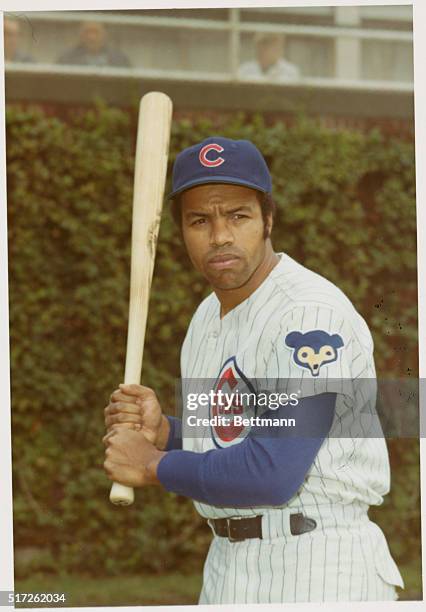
{"x":232,"y":477}
{"x":218,"y":478}
{"x":263,"y":470}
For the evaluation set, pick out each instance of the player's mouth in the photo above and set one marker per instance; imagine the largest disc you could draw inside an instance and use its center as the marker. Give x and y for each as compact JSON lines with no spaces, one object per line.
{"x":222,"y":262}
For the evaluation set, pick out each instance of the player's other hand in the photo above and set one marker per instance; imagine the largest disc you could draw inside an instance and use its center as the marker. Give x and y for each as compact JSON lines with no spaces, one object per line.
{"x":137,"y":407}
{"x":130,"y":459}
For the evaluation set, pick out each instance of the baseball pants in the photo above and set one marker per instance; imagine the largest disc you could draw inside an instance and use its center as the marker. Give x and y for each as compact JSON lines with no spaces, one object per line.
{"x":346,"y":558}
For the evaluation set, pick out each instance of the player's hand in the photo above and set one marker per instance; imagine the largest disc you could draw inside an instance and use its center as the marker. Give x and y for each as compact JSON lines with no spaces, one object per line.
{"x":130,"y":459}
{"x":137,"y":407}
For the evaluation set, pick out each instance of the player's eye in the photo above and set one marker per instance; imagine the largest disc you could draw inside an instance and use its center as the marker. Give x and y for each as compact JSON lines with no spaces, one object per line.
{"x":199,"y":221}
{"x":238,"y":216}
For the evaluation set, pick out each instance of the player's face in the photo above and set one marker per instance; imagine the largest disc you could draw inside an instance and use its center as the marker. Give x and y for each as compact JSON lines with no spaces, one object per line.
{"x":224,"y":231}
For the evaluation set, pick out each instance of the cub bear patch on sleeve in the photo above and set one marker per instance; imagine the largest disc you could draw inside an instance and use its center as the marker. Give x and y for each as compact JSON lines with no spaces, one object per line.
{"x":314,"y":349}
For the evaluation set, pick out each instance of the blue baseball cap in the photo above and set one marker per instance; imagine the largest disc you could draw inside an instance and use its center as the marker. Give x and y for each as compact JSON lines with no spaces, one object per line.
{"x":221,"y":160}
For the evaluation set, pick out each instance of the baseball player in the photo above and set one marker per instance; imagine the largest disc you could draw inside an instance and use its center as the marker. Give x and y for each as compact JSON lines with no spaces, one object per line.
{"x":279,"y":444}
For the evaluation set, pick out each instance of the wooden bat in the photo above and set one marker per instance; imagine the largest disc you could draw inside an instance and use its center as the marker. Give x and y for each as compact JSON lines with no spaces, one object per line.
{"x":152,"y":147}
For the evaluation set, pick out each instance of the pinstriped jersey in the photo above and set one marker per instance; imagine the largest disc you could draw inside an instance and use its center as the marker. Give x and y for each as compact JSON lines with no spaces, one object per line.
{"x":297,"y":332}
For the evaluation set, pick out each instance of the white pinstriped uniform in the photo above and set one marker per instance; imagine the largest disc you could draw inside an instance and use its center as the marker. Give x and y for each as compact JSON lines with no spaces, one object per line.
{"x":346,"y":557}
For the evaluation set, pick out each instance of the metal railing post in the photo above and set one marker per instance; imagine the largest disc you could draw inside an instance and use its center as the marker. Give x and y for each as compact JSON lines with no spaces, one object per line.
{"x":234,"y":42}
{"x":347,"y":48}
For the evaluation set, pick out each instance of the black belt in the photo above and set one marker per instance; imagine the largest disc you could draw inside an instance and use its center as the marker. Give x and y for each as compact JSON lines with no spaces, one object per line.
{"x":239,"y":529}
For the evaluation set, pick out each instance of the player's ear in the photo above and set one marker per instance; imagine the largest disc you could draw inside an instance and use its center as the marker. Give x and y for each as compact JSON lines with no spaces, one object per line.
{"x":269,"y":222}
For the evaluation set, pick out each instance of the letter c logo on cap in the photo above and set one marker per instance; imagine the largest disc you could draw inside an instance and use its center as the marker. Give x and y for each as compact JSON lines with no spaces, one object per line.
{"x":211,"y":163}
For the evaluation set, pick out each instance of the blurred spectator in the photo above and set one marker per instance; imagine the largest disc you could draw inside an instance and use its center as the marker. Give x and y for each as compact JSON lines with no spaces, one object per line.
{"x":93,"y":49}
{"x":12,"y":34}
{"x":269,"y":63}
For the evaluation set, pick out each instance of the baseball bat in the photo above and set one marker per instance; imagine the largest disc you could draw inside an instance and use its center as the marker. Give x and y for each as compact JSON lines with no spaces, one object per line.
{"x":152,"y":147}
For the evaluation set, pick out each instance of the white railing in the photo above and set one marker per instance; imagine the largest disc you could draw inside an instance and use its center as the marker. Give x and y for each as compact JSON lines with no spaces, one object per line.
{"x":346,"y":38}
{"x":144,"y":74}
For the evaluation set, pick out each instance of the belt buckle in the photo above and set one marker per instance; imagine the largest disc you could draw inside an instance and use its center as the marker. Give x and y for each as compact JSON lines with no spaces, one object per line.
{"x":228,"y":529}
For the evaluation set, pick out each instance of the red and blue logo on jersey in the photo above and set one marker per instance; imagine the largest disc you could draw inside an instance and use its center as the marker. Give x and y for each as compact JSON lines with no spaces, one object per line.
{"x":235,"y":399}
{"x":314,"y":349}
{"x":211,"y":161}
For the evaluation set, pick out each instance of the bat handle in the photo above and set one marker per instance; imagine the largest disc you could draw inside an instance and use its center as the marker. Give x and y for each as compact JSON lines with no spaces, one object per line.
{"x":121,"y":495}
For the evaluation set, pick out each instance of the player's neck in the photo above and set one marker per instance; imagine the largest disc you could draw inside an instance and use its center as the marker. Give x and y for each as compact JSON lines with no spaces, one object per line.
{"x":229,"y":299}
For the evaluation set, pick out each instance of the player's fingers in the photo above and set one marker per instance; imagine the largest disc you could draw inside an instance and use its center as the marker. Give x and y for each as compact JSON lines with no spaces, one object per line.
{"x":134,"y":426}
{"x":122,"y":418}
{"x":123,"y":474}
{"x":117,"y":407}
{"x":137,"y":391}
{"x":120,"y":396}
{"x":107,"y":437}
{"x":109,"y":468}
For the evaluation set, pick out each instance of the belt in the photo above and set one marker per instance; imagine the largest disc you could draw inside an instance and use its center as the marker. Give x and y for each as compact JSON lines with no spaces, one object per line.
{"x":239,"y":529}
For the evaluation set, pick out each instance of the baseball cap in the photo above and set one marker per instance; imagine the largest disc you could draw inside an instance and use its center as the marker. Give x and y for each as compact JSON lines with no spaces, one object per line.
{"x":221,"y":160}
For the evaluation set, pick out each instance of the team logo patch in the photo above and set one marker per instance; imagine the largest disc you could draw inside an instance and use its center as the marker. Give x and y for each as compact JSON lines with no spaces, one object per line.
{"x":314,"y":349}
{"x":211,"y":161}
{"x":231,"y":405}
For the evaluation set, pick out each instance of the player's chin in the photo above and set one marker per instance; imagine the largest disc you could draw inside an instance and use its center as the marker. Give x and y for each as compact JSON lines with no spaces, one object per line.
{"x":227,"y":279}
{"x":232,"y":273}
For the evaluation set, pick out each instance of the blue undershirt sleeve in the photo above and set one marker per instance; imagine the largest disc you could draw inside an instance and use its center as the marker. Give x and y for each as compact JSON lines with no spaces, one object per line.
{"x":174,"y":441}
{"x":266,"y":469}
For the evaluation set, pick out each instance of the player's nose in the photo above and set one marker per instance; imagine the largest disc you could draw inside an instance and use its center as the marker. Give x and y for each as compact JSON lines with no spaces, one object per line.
{"x":220,"y":233}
